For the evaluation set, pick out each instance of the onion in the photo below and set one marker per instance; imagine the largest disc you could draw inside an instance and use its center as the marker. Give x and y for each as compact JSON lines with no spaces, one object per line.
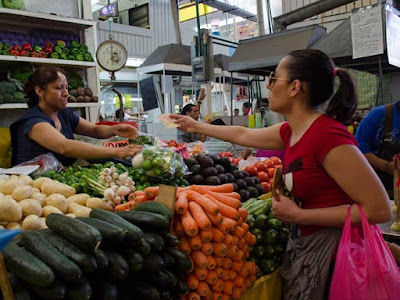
{"x":109,"y":194}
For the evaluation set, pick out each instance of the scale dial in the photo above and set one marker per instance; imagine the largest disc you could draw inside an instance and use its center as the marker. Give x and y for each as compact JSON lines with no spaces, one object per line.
{"x":111,"y":55}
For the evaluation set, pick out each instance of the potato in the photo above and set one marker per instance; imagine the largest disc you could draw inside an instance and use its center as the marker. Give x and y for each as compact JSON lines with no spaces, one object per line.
{"x":31,"y":207}
{"x":70,"y":216}
{"x":10,"y":210}
{"x":26,"y":179}
{"x":41,"y":198}
{"x":13,"y":225}
{"x":3,"y":223}
{"x":8,"y":186}
{"x":79,"y":210}
{"x":43,"y":222}
{"x":34,"y":190}
{"x":22,"y":192}
{"x":2,"y":180}
{"x":13,"y":177}
{"x":31,"y":222}
{"x":1,"y":195}
{"x":37,"y":183}
{"x":394,"y":209}
{"x":78,"y":198}
{"x":51,"y":210}
{"x":98,"y":203}
{"x":59,"y":201}
{"x":8,"y":197}
{"x":53,"y":187}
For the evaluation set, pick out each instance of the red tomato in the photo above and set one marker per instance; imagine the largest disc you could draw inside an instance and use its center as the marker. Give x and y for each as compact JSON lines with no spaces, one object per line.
{"x":269,"y":163}
{"x":271,"y":172}
{"x":276,"y":160}
{"x":266,"y":186}
{"x":263,"y":176}
{"x":261,"y":166}
{"x":252,"y":170}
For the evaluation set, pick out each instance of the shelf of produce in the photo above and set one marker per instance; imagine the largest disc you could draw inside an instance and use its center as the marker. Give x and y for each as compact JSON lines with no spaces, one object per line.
{"x":57,"y":62}
{"x":19,"y":17}
{"x":23,"y":105}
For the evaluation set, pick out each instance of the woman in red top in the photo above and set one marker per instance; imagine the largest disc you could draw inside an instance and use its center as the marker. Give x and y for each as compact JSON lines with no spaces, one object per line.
{"x":323,"y":166}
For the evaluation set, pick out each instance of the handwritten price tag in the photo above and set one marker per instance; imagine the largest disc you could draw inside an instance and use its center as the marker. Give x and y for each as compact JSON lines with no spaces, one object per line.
{"x":183,"y":151}
{"x":116,"y":144}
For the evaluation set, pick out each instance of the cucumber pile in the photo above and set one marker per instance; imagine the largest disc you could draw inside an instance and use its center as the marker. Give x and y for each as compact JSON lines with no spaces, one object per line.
{"x":271,"y":234}
{"x":106,"y":256}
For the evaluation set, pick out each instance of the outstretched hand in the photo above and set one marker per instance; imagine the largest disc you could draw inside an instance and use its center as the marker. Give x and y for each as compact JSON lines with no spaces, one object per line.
{"x":130,"y":150}
{"x":185,"y":123}
{"x":125,"y":130}
{"x":202,"y":95}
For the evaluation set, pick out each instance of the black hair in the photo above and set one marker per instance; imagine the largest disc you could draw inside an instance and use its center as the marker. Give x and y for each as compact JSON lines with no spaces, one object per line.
{"x":187,"y":109}
{"x":236,"y":109}
{"x":318,"y":70}
{"x":246,"y":104}
{"x":42,"y":76}
{"x":218,"y":122}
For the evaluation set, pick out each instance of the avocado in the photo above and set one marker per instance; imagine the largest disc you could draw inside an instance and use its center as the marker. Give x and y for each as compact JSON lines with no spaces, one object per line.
{"x":237,"y":174}
{"x":235,"y":187}
{"x":187,"y":176}
{"x":210,"y":171}
{"x":231,"y":178}
{"x":197,"y":179}
{"x":223,"y":178}
{"x":196,"y":170}
{"x":249,"y":181}
{"x":205,"y":161}
{"x":212,"y":180}
{"x":234,"y":167}
{"x":244,"y":195}
{"x":214,"y":158}
{"x":253,"y":191}
{"x":259,"y":188}
{"x":256,"y":179}
{"x":220,"y":169}
{"x":225,"y":162}
{"x":241,"y":184}
{"x":190,"y":162}
{"x":245,"y":174}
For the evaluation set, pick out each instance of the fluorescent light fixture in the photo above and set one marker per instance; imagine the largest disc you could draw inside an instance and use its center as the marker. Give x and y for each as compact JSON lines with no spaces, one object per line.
{"x":134,"y":62}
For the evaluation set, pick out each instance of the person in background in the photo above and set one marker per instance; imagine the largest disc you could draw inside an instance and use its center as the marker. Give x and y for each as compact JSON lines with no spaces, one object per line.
{"x":192,"y":111}
{"x":378,"y":137}
{"x":127,"y":116}
{"x":323,"y":168}
{"x":49,"y":126}
{"x":216,"y":146}
{"x":236,"y":112}
{"x":246,"y":109}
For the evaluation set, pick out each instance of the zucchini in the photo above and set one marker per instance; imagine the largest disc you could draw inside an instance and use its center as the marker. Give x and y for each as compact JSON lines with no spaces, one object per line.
{"x":53,"y":292}
{"x":134,"y":233}
{"x":170,"y":239}
{"x":82,"y":235}
{"x":143,"y":290}
{"x":161,"y":279}
{"x":118,"y":269}
{"x":15,"y":282}
{"x":155,"y":240}
{"x":147,"y":221}
{"x":182,"y":262}
{"x":112,"y":234}
{"x":64,"y":268}
{"x":27,"y":266}
{"x":144,"y":248}
{"x":102,"y":259}
{"x":155,"y":207}
{"x":152,"y":263}
{"x":167,"y":258}
{"x":172,"y":280}
{"x":165,"y":295}
{"x":181,"y":286}
{"x":86,"y":261}
{"x":103,"y":290}
{"x":81,"y":290}
{"x":134,"y":259}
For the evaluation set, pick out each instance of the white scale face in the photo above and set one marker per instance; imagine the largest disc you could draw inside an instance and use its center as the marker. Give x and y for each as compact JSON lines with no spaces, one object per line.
{"x":111,"y":55}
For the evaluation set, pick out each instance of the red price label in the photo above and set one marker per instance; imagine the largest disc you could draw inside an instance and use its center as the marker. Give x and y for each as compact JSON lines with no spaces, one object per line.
{"x":116,"y":144}
{"x":183,"y":152}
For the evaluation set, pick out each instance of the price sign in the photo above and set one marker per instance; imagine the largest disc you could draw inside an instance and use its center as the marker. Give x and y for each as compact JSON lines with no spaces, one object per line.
{"x":183,"y":151}
{"x":116,"y":144}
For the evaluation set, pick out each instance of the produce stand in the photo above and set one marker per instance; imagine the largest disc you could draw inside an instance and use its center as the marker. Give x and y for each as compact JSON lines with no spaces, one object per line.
{"x":385,"y":228}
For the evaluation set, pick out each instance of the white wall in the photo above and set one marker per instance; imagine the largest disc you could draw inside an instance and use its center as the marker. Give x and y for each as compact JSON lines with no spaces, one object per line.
{"x":67,"y":8}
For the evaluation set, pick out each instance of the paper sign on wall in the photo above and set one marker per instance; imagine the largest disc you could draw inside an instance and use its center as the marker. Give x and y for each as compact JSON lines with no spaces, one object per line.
{"x":367,"y":32}
{"x":392,"y":38}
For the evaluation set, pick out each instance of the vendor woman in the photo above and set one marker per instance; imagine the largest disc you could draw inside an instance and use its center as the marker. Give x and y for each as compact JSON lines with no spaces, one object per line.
{"x":49,"y":126}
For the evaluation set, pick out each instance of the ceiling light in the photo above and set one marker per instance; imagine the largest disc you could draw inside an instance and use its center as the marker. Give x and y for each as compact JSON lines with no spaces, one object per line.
{"x":134,"y":62}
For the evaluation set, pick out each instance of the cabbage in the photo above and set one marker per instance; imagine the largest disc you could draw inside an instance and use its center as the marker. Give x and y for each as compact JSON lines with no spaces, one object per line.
{"x":15,"y":4}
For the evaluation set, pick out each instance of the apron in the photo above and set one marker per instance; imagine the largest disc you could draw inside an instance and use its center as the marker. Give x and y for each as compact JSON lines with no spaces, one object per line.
{"x":388,"y":148}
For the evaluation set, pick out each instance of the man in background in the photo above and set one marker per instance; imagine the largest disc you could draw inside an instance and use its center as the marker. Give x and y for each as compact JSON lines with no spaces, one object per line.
{"x":246,"y":108}
{"x":236,"y":112}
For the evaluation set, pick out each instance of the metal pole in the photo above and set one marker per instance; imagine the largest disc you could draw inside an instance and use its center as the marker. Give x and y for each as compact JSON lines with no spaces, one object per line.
{"x":231,"y":98}
{"x":199,"y":42}
{"x":260,"y":18}
{"x":381,"y":78}
{"x":175,"y":18}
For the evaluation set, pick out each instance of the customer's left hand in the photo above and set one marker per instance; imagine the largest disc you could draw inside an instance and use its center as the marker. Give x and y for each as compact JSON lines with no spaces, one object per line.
{"x":286,"y":210}
{"x":125,"y":130}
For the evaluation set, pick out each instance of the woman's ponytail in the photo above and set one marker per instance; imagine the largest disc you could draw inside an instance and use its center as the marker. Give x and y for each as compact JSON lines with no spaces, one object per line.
{"x":344,"y":103}
{"x":30,"y":93}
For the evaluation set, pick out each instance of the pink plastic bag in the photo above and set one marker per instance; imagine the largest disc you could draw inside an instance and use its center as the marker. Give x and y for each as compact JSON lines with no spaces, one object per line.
{"x":365,"y":268}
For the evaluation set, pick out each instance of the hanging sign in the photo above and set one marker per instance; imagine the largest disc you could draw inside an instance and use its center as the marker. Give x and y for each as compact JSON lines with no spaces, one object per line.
{"x":392,"y":38}
{"x":367,"y":32}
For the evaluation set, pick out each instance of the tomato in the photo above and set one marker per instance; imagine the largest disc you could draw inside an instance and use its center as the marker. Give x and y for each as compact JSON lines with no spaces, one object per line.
{"x":269,"y":163}
{"x":262,"y":166}
{"x":266,"y":186}
{"x":252,"y":170}
{"x":276,"y":160}
{"x":263,"y":176}
{"x":271,"y":172}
